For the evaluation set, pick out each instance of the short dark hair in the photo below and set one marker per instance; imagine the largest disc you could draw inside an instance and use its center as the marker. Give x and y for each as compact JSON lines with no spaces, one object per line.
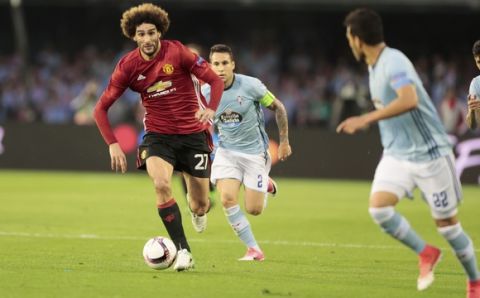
{"x":144,"y":13}
{"x":476,"y":48}
{"x":366,"y":24}
{"x":221,"y":48}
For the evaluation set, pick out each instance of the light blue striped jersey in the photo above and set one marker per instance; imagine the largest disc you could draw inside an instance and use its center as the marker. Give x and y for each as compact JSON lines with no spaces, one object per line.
{"x":475,"y":87}
{"x":417,"y":135}
{"x":239,"y":118}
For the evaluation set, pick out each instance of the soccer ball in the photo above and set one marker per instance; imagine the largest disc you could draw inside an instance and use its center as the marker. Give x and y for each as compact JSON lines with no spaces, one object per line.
{"x":159,"y":253}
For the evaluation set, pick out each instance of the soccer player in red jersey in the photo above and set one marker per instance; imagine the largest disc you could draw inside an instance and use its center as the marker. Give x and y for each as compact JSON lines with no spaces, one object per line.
{"x":166,"y":74}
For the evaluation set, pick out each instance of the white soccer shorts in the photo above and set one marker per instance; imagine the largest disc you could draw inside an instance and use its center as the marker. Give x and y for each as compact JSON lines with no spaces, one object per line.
{"x":250,"y":169}
{"x":436,"y":179}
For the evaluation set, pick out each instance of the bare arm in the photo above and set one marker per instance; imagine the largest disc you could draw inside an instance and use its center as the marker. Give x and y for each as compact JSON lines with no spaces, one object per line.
{"x":471,"y":119}
{"x":473,"y":112}
{"x":284,"y":149}
{"x":406,"y":100}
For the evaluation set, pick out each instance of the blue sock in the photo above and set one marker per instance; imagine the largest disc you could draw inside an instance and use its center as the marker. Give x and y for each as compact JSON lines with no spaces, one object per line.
{"x":397,"y":226}
{"x":463,"y":248}
{"x":241,"y":226}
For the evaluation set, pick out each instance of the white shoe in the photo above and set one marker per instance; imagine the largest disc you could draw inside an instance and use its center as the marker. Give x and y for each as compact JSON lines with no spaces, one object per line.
{"x":184,"y":260}
{"x":199,"y":221}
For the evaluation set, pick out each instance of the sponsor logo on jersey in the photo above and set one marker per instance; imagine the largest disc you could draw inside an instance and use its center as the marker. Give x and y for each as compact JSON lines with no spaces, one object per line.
{"x":230,"y":118}
{"x":159,"y":86}
{"x":168,"y":69}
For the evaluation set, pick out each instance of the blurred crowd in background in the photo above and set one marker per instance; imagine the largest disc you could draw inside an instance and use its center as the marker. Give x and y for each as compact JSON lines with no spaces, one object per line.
{"x":308,"y":66}
{"x":64,"y":89}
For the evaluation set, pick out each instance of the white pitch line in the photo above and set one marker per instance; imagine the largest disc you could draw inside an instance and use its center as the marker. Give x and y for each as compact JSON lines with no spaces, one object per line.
{"x":270,"y":242}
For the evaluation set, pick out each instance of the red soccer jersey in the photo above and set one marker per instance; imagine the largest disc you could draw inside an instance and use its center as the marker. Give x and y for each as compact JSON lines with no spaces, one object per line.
{"x":168,"y":86}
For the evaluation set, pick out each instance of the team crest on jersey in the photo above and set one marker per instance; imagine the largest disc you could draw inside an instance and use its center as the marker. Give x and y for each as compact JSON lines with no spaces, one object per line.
{"x":168,"y":68}
{"x":230,"y":118}
{"x":159,"y":86}
{"x":240,"y":99}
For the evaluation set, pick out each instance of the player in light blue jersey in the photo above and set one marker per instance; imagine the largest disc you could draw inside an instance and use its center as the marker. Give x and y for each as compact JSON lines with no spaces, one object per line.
{"x":242,"y":156}
{"x":416,"y":150}
{"x":473,"y":114}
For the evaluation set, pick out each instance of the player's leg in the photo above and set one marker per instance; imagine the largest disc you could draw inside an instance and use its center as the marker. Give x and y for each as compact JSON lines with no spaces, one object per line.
{"x":393,"y":181}
{"x":254,"y":201}
{"x":198,"y":190}
{"x":383,"y":213}
{"x":156,"y":154}
{"x":227,"y":176}
{"x":254,"y":204}
{"x":462,"y":245}
{"x":256,"y":180}
{"x":211,"y":195}
{"x":193,"y":159}
{"x":229,"y":189}
{"x":382,"y":210}
{"x":160,"y":171}
{"x":442,"y":191}
{"x":198,"y":200}
{"x":257,"y":183}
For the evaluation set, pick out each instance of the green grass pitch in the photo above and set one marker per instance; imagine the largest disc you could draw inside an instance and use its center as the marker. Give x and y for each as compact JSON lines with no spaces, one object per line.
{"x":81,"y":235}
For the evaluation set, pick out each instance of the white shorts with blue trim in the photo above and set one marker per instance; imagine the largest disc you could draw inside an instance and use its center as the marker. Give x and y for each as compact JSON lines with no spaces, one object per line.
{"x":436,"y":179}
{"x":250,"y":169}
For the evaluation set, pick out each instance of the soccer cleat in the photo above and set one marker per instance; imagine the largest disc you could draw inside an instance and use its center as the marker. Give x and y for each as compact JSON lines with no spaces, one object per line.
{"x":199,"y":221}
{"x":428,"y":259}
{"x":473,"y":289}
{"x":184,"y":260}
{"x":272,"y":187}
{"x":253,"y":255}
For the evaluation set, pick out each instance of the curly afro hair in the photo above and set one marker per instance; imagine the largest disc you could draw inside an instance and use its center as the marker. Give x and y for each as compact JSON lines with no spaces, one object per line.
{"x":144,"y":13}
{"x":476,"y":48}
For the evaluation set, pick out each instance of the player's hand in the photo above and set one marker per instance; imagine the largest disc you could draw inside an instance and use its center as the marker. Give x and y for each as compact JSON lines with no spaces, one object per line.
{"x":473,"y":103}
{"x":205,"y":115}
{"x":117,"y":157}
{"x":352,"y":125}
{"x":284,"y":151}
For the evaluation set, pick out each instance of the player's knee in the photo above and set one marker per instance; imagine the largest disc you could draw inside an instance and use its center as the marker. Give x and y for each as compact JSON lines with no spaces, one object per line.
{"x":199,"y":207}
{"x":200,"y":211}
{"x":254,"y":210}
{"x":228,"y":200}
{"x":162,"y":186}
{"x":381,"y":214}
{"x":390,"y":221}
{"x":459,"y":240}
{"x":446,"y":222}
{"x":450,"y":232}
